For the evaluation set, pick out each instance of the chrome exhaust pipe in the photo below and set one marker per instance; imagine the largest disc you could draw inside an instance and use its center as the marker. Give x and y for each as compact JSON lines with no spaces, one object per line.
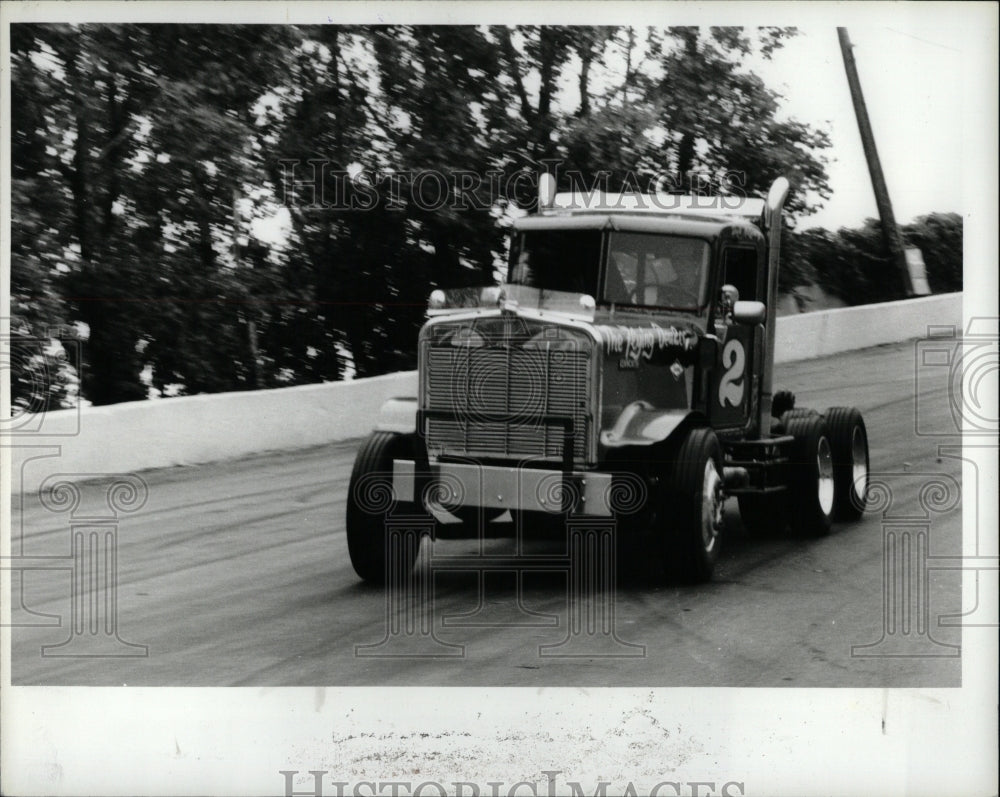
{"x":772,"y":226}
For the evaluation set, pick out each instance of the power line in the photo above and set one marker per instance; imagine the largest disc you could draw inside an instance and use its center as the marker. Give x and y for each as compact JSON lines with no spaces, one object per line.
{"x":925,"y":41}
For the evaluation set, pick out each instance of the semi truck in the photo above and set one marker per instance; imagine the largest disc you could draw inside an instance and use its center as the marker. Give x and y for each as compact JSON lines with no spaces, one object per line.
{"x":623,"y":371}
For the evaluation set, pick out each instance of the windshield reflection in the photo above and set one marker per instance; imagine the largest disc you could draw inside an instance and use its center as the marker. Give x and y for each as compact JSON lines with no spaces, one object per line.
{"x":662,"y":271}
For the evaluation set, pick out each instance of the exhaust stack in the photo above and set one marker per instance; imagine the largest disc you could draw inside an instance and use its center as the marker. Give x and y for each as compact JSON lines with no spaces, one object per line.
{"x":772,"y":225}
{"x":546,"y":191}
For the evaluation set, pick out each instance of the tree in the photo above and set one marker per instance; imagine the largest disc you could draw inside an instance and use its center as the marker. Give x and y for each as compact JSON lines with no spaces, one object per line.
{"x":851,"y":263}
{"x":38,"y":380}
{"x":721,"y":121}
{"x":145,"y":155}
{"x":147,"y":129}
{"x":343,"y":244}
{"x":546,"y":50}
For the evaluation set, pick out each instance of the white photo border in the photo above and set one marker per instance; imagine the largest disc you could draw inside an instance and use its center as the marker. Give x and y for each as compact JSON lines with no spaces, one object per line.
{"x":68,"y":740}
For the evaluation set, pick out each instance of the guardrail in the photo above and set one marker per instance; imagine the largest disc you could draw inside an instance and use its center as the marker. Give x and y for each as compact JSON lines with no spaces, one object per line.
{"x":206,"y":428}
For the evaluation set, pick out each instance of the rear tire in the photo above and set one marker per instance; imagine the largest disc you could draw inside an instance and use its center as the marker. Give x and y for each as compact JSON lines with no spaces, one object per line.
{"x":694,"y":499}
{"x":369,"y":501}
{"x":849,"y":446}
{"x":796,"y":412}
{"x":810,"y":473}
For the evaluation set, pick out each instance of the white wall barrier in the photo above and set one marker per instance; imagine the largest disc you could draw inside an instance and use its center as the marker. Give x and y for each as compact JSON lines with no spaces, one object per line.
{"x":188,"y":430}
{"x":206,"y":428}
{"x":810,"y":335}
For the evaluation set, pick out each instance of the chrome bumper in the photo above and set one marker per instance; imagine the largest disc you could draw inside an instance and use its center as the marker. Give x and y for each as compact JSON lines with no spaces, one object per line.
{"x":499,"y":487}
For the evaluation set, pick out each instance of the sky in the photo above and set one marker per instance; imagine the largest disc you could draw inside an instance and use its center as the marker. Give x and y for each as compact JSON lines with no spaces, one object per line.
{"x":910,"y":75}
{"x":910,"y":66}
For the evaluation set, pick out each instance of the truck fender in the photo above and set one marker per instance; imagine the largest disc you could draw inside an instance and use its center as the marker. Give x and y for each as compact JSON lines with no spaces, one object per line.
{"x":642,"y":424}
{"x":398,"y":415}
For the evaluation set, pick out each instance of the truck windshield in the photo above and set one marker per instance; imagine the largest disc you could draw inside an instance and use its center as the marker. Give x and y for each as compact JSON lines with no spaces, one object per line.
{"x":651,"y":270}
{"x":556,"y":260}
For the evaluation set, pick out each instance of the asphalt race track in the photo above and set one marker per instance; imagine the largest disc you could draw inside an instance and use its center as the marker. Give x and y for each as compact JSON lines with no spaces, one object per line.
{"x":237,"y":574}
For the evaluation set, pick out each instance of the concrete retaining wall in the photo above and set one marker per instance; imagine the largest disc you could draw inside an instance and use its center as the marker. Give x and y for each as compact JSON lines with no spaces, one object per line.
{"x":187,"y":430}
{"x":810,"y":335}
{"x":198,"y":429}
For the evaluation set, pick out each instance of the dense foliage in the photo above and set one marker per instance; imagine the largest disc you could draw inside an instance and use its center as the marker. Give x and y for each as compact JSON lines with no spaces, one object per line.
{"x":852,"y":265}
{"x":148,"y":159}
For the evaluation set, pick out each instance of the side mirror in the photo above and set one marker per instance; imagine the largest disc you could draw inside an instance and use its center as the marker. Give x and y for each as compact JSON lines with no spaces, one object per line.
{"x":749,"y":313}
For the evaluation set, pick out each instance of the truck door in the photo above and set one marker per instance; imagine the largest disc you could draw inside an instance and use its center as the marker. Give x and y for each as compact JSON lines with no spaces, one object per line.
{"x":735,"y":382}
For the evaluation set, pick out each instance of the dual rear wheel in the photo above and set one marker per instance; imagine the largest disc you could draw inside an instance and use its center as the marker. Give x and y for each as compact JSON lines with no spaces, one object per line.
{"x":849,"y":448}
{"x":826,"y":475}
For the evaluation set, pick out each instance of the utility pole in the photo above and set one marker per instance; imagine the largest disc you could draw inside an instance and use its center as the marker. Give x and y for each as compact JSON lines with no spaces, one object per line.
{"x":890,"y":232}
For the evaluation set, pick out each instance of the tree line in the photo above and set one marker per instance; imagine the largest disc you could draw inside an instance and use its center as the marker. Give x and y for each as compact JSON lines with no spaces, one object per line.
{"x":852,"y":265}
{"x":149,"y":160}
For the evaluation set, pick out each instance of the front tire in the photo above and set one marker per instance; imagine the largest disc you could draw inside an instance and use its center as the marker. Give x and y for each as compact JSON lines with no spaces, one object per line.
{"x":810,"y":476}
{"x":849,"y":446}
{"x":369,"y":500}
{"x":694,"y":507}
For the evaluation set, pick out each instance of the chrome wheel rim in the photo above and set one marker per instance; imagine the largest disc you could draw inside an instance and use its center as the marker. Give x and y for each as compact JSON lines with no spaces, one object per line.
{"x":859,"y":461}
{"x":824,"y":467}
{"x":711,"y":506}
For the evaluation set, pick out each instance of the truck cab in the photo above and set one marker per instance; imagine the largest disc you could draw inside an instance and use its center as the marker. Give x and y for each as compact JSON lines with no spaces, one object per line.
{"x":629,"y":352}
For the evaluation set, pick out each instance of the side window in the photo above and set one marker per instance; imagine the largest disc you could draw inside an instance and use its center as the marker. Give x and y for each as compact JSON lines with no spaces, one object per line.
{"x":740,"y":271}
